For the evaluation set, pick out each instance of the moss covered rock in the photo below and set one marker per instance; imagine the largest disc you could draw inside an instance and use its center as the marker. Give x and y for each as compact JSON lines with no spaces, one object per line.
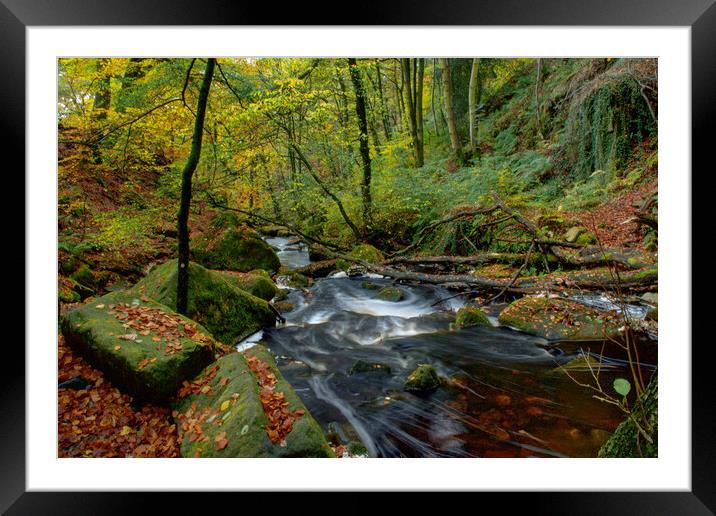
{"x":369,"y":367}
{"x":129,"y":356}
{"x":586,"y":238}
{"x":294,"y":280}
{"x":393,"y":294}
{"x":236,"y":249}
{"x":627,"y":441}
{"x":423,"y":379}
{"x":573,"y":233}
{"x":560,"y":319}
{"x":228,"y":312}
{"x":226,"y":418}
{"x":256,"y":283}
{"x":284,"y":306}
{"x":471,"y":316}
{"x":369,"y":285}
{"x":365,"y":252}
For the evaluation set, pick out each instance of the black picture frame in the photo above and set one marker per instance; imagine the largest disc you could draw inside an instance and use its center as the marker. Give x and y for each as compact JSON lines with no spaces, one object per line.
{"x":700,"y":15}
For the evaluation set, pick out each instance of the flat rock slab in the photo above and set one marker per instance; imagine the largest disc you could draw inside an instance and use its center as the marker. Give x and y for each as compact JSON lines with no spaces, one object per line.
{"x":560,"y":319}
{"x":222,"y":415}
{"x":142,"y":346}
{"x":229,"y":313}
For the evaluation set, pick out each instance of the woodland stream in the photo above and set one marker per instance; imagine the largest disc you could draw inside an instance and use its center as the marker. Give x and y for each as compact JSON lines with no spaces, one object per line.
{"x":504,"y":396}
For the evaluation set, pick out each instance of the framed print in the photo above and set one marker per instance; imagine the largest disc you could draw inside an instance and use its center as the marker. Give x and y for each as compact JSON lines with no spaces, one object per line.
{"x":481,"y":187}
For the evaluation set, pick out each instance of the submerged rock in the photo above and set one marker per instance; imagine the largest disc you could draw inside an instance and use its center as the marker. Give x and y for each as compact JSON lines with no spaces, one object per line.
{"x":141,"y":362}
{"x":257,"y":283}
{"x":560,"y":319}
{"x":471,"y":316}
{"x":236,"y":249}
{"x":423,"y":379}
{"x":228,"y":312}
{"x":393,"y":294}
{"x":226,"y":418}
{"x":368,"y":367}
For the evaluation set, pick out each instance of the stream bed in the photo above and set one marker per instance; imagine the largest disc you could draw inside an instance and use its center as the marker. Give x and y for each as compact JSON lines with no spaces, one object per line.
{"x":503,"y":394}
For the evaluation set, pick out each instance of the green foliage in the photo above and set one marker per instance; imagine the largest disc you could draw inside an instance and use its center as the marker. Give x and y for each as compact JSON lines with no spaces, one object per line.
{"x":622,"y":386}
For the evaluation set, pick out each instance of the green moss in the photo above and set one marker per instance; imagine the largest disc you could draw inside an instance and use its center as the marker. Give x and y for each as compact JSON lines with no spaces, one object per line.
{"x":228,"y":312}
{"x":647,"y":273}
{"x":84,"y":276}
{"x":471,"y":316}
{"x":369,"y":367}
{"x":257,"y":284}
{"x":370,"y":285}
{"x":586,"y":238}
{"x":423,"y":379}
{"x":295,"y":280}
{"x":68,"y":265}
{"x":559,"y":319}
{"x":357,"y":450}
{"x":93,"y":331}
{"x":68,"y":296}
{"x":236,"y":249}
{"x":392,"y":294}
{"x":368,"y":253}
{"x":627,"y":441}
{"x":284,"y":306}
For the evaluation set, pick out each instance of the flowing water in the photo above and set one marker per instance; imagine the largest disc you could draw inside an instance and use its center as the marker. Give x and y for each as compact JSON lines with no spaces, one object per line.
{"x":502,"y":397}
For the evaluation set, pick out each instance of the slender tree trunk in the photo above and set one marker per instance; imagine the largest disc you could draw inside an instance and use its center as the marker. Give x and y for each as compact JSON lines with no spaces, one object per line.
{"x":473,"y":100}
{"x":381,"y":97}
{"x":187,"y":173}
{"x":364,"y":151}
{"x":419,"y":112}
{"x":538,"y":88}
{"x":408,"y":89}
{"x":449,"y":110}
{"x":432,"y":101}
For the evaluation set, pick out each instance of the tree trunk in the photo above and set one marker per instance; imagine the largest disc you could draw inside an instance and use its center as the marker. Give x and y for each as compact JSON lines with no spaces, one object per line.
{"x":419,"y":112}
{"x":538,"y":88}
{"x":103,"y":95}
{"x":363,"y":129}
{"x":187,"y":173}
{"x":473,"y":101}
{"x":406,"y":68}
{"x":383,"y":110}
{"x":449,"y":110}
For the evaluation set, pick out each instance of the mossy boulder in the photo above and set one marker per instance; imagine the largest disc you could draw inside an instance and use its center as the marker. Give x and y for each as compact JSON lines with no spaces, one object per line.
{"x":284,"y":306}
{"x":369,"y":367}
{"x":560,"y":319}
{"x":228,"y":312}
{"x":84,"y":277}
{"x":423,"y":379}
{"x":230,"y":408}
{"x":369,"y":285}
{"x":627,"y":441}
{"x":67,"y":295}
{"x":651,"y":298}
{"x":256,"y":283}
{"x":586,"y":238}
{"x":471,"y":316}
{"x":652,"y":314}
{"x":236,"y":249}
{"x":364,"y":252}
{"x":393,"y":294}
{"x":573,"y":233}
{"x":294,"y":280}
{"x":129,"y":357}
